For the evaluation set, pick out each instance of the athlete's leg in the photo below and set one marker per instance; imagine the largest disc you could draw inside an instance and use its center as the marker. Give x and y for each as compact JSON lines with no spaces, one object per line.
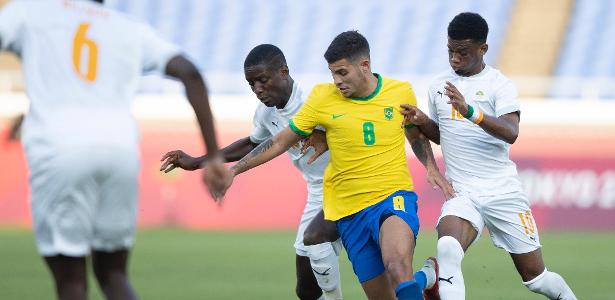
{"x":512,"y":227}
{"x":379,"y":288}
{"x":110,"y":269}
{"x":69,"y":275}
{"x":320,"y":231}
{"x":63,"y":202}
{"x":397,"y":246}
{"x":320,"y":241}
{"x":458,"y":227}
{"x":307,"y":287}
{"x":538,"y":279}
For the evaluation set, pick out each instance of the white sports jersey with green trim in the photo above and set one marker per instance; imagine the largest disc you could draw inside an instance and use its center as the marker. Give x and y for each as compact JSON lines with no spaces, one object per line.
{"x":268,"y":121}
{"x":82,"y":64}
{"x":472,"y":157}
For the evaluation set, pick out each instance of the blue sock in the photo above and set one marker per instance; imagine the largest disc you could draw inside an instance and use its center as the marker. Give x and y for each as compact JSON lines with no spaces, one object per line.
{"x":421,"y":279}
{"x":409,"y":290}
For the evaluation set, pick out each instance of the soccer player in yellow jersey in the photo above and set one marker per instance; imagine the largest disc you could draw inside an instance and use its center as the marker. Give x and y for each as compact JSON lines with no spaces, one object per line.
{"x":367,"y":185}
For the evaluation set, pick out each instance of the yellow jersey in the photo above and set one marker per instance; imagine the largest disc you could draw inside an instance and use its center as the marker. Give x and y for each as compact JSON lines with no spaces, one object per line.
{"x":366,"y":143}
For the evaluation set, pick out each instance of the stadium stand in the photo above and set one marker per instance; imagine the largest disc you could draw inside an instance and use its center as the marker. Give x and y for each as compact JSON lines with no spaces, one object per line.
{"x":586,"y":65}
{"x":407,"y":37}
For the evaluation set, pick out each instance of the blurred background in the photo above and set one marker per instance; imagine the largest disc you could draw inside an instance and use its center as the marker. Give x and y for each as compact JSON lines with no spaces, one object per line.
{"x":559,"y":53}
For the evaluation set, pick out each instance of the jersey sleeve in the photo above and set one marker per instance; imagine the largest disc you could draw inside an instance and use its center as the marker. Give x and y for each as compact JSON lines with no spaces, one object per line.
{"x":411,"y":95}
{"x":431,"y":103}
{"x":12,"y":25}
{"x":306,"y":119}
{"x":506,"y":99}
{"x":259,"y":132}
{"x":156,"y":51}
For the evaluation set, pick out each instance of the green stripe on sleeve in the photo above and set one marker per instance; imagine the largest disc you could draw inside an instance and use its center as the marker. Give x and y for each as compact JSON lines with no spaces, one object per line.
{"x":408,"y":126}
{"x":296,"y":129}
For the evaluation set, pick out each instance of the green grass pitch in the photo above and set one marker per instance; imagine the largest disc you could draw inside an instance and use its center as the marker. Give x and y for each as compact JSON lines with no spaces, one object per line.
{"x":179,"y":264}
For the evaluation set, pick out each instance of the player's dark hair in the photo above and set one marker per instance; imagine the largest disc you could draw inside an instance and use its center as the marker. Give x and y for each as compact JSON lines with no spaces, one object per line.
{"x":468,"y":25}
{"x":265,"y":54}
{"x":347,"y":45}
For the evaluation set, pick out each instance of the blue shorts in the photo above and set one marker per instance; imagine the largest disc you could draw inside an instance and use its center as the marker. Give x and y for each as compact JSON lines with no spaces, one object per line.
{"x":360,"y":232}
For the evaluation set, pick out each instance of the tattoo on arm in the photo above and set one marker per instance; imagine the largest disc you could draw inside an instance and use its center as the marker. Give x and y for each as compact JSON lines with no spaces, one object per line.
{"x":421,"y":147}
{"x":244,"y":163}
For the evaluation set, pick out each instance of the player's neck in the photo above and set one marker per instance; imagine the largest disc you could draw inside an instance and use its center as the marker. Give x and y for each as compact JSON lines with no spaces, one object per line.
{"x":479,"y":68}
{"x":287,"y":93}
{"x":370,"y":87}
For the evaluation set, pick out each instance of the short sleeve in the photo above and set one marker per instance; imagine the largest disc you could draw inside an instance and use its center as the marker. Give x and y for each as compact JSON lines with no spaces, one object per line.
{"x":156,"y":51}
{"x":259,"y":132}
{"x":12,"y":25}
{"x":306,"y":119}
{"x":431,"y":102}
{"x":411,"y":95}
{"x":506,"y":99}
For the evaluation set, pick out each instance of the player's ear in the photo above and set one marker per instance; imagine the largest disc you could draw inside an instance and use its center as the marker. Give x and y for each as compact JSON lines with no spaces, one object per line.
{"x":364,"y":64}
{"x":284,"y":71}
{"x":483,"y":48}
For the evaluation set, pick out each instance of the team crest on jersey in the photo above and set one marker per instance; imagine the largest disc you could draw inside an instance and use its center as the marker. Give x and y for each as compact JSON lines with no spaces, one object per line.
{"x":388,"y":113}
{"x":480,"y":95}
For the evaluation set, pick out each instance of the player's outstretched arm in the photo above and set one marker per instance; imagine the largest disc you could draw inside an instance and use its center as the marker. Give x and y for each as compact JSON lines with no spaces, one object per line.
{"x":422,"y":149}
{"x":263,"y":153}
{"x":428,"y":127}
{"x":267,"y":151}
{"x":179,"y":159}
{"x":504,"y":127}
{"x":196,"y":91}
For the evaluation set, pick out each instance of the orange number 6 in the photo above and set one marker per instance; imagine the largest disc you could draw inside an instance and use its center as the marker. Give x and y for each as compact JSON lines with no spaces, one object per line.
{"x":80,"y":42}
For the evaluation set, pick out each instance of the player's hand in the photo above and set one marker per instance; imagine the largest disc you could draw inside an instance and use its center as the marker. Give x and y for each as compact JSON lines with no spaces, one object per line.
{"x":217,"y":177}
{"x":456,"y":99}
{"x":178,"y":159}
{"x":413,"y":115}
{"x":437,"y":181}
{"x":318,"y":141}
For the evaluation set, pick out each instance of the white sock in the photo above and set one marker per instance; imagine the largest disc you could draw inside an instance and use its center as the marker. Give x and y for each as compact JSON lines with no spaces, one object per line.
{"x":449,"y":258}
{"x":327,"y":271}
{"x":551,"y":285}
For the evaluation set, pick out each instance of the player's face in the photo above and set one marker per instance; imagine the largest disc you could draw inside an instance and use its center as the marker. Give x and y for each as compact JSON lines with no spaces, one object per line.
{"x":350,"y":76}
{"x":466,"y":56}
{"x":268,"y":84}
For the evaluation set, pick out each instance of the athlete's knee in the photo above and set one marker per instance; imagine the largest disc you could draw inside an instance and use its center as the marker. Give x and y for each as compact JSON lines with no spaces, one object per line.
{"x":313,"y":237}
{"x":319,"y":233}
{"x":449,"y":251}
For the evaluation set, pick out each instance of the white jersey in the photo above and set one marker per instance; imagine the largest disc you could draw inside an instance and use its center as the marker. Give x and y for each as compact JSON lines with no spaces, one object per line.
{"x":268,"y":121}
{"x":81,"y":63}
{"x":473,"y":157}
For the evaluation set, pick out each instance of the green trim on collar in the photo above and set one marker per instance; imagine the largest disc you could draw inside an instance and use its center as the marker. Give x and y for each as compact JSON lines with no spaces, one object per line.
{"x":374,"y":93}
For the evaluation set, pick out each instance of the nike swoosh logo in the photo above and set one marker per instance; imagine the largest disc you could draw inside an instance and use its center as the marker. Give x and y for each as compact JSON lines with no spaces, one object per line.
{"x":325,"y":273}
{"x":337,"y":116}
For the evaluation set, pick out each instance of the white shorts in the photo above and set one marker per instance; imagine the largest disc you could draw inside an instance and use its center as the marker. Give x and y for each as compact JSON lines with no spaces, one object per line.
{"x":312,"y":207}
{"x":507,"y":216}
{"x":84,"y":199}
